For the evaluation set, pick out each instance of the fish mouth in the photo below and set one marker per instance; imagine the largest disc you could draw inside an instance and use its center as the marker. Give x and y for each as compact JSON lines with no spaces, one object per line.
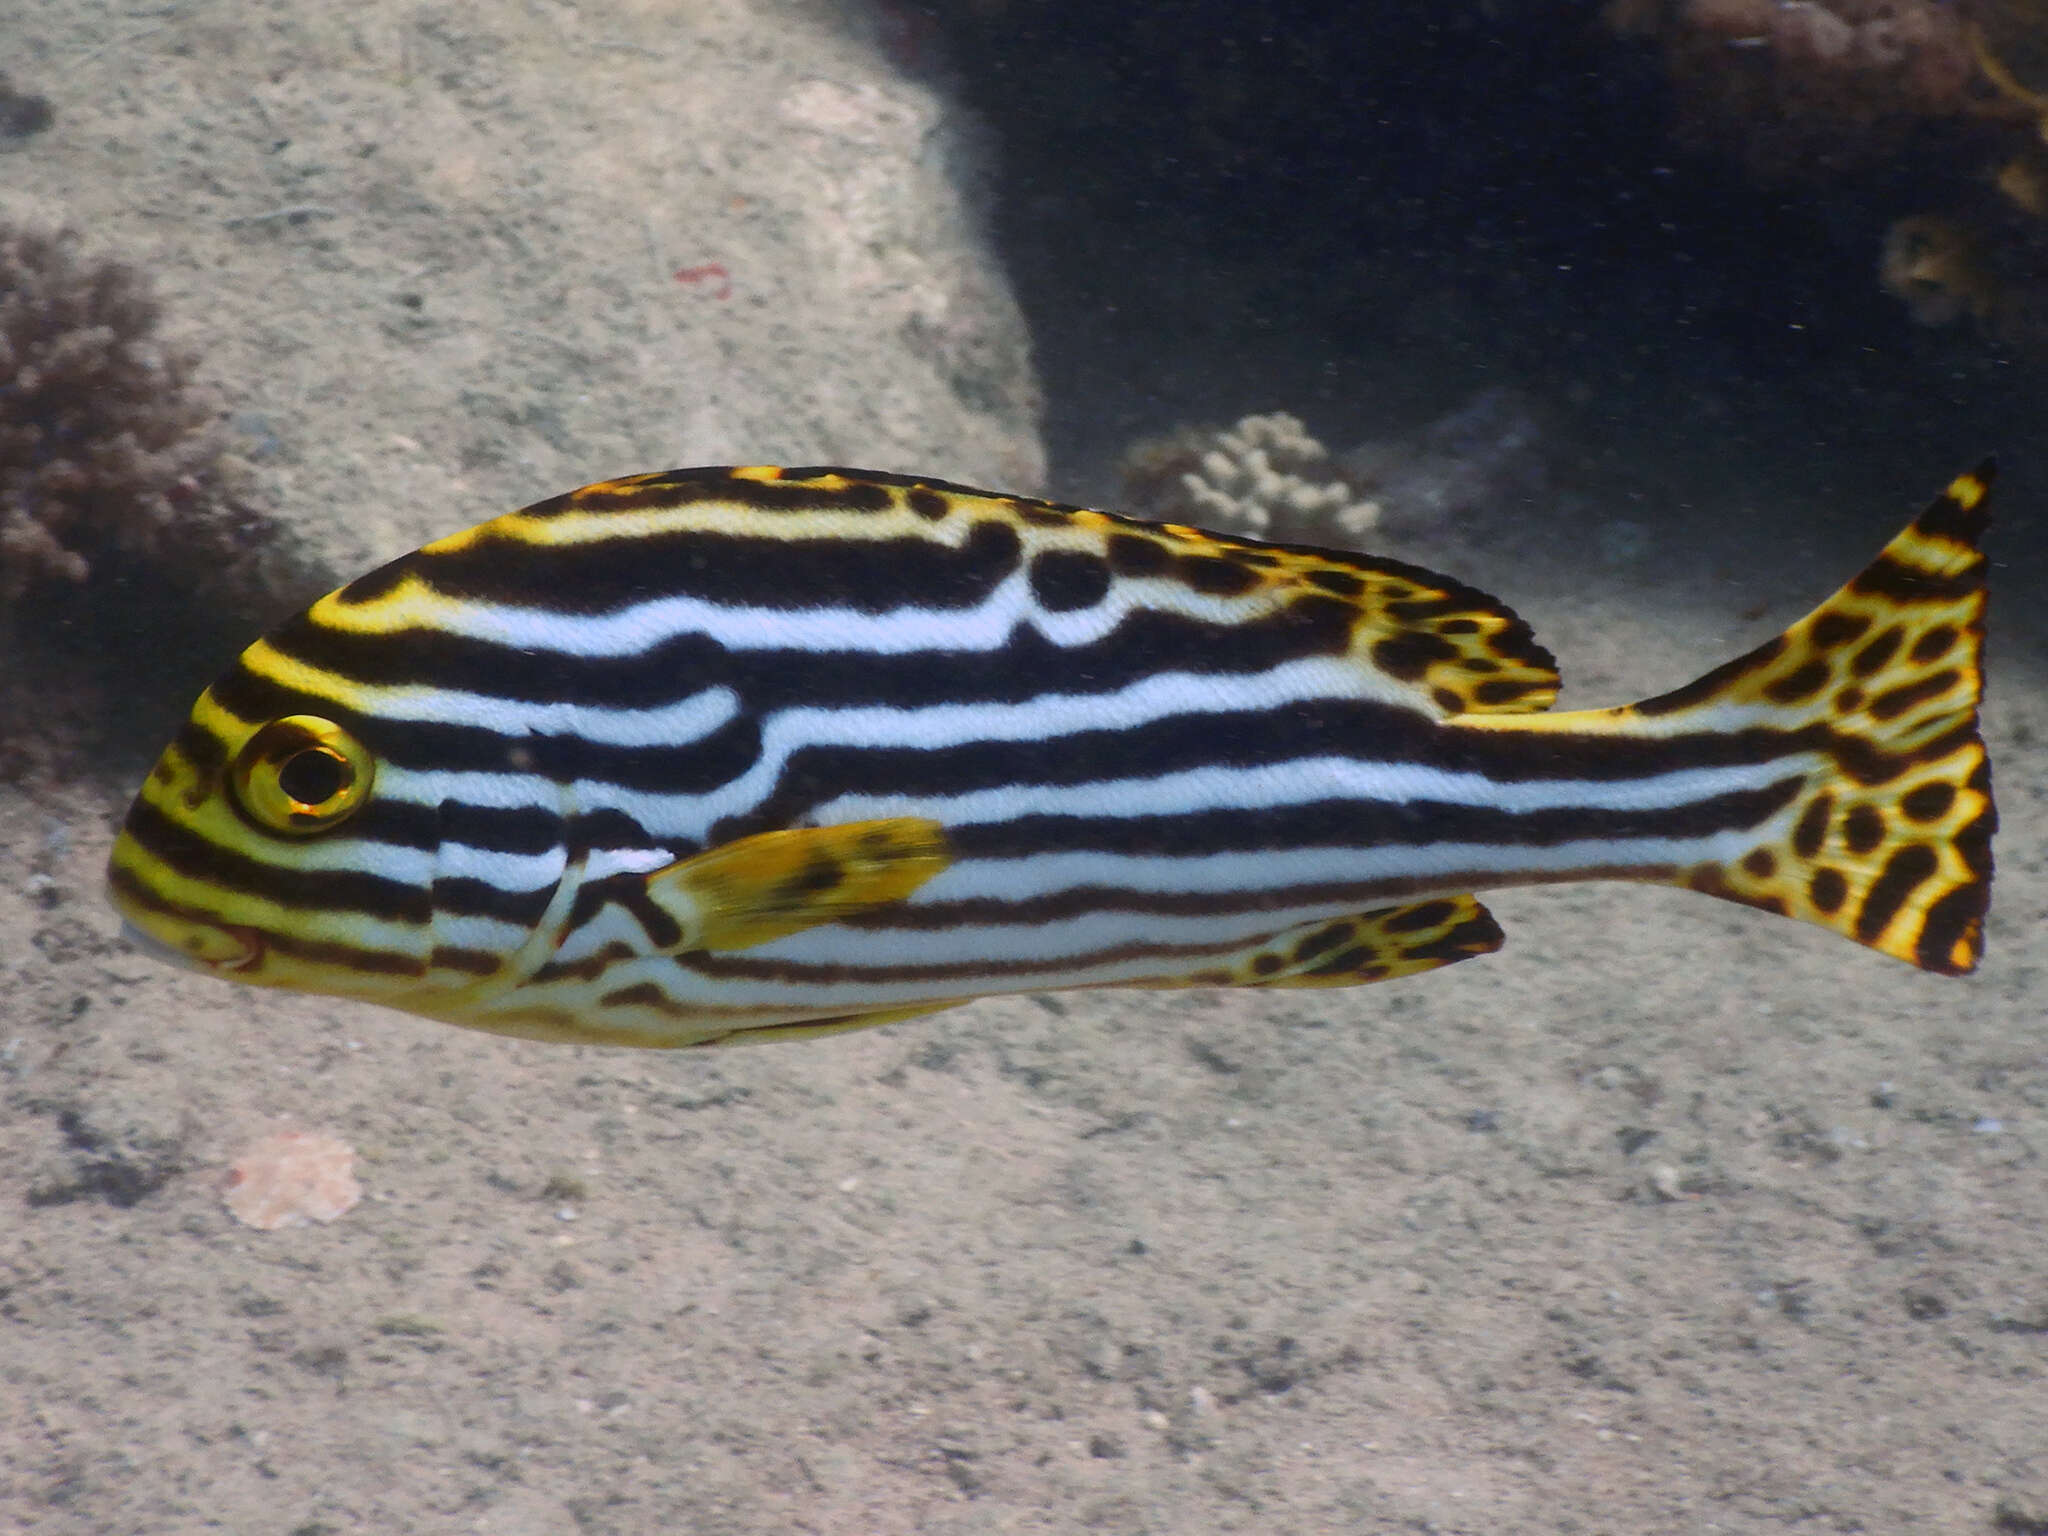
{"x":208,"y":948}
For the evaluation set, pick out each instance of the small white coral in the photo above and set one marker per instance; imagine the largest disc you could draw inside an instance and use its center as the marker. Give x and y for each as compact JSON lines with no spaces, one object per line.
{"x":1265,"y":476}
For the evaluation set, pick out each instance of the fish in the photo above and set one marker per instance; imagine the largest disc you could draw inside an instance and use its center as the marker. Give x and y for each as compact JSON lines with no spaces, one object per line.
{"x":733,"y":755}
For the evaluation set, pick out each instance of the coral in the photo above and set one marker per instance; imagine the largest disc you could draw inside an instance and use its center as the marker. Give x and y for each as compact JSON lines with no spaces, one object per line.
{"x":1822,"y":89}
{"x":1268,"y":478}
{"x":107,"y":447}
{"x":1807,"y":87}
{"x":1265,"y":477}
{"x":1487,"y":451}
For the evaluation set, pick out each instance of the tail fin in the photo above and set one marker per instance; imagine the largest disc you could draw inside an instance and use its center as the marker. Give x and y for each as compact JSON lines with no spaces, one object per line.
{"x":1891,"y":846}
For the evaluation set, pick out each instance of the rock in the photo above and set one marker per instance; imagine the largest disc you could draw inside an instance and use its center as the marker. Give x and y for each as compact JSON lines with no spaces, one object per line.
{"x":753,"y":241}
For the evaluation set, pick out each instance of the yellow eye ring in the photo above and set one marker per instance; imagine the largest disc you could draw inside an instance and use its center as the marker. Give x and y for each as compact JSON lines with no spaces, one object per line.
{"x":300,"y":775}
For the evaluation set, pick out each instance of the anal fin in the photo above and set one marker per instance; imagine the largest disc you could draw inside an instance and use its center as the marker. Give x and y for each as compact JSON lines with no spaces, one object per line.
{"x":772,"y":884}
{"x":1381,"y":945}
{"x":819,"y":1029}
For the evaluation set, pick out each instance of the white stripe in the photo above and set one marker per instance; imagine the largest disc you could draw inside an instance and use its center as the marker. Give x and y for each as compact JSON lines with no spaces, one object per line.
{"x":1061,"y":949}
{"x":1301,"y":781}
{"x":490,"y":934}
{"x":674,"y":724}
{"x":506,"y":871}
{"x":987,"y":626}
{"x":1094,"y":932}
{"x":1047,"y":717}
{"x":1307,"y":780}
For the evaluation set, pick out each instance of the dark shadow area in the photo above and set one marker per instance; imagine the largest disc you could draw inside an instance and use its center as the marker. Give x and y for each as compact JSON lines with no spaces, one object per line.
{"x":101,"y":675}
{"x":1366,"y":214}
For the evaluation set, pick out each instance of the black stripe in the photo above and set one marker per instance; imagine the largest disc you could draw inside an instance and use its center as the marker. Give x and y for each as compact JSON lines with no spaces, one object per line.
{"x":425,"y":745}
{"x":867,"y":575}
{"x":396,"y":824}
{"x":1091,"y":900}
{"x":1024,"y":667}
{"x":526,"y":830}
{"x":1946,"y":518}
{"x":205,"y":752}
{"x":1890,"y":578}
{"x":465,"y":896}
{"x":786,"y":493}
{"x":1364,"y":825}
{"x":740,"y":966}
{"x":346,"y":890}
{"x":1174,"y":744}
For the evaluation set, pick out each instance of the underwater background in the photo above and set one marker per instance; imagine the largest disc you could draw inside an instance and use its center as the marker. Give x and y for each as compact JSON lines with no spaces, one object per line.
{"x":1654,"y":319}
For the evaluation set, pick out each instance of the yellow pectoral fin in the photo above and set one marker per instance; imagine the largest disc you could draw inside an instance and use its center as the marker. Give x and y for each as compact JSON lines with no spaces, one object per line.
{"x":777,"y":883}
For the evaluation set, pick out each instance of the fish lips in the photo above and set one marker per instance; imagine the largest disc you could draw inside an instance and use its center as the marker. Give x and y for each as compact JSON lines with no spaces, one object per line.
{"x":236,"y":949}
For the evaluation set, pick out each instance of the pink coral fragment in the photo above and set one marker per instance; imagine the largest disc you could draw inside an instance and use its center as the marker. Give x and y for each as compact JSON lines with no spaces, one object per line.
{"x":290,"y":1178}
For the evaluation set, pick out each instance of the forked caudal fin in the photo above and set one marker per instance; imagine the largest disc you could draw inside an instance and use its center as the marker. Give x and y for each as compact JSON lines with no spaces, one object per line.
{"x":1871,"y":702}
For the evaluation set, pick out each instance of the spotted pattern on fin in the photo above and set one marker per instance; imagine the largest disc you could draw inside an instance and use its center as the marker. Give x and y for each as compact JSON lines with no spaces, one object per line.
{"x":1894,"y":849}
{"x":778,"y":883}
{"x":1439,"y":643}
{"x":1871,"y":703}
{"x":1380,"y":945}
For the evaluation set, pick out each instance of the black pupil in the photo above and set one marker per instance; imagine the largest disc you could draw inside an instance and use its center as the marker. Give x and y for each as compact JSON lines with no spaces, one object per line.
{"x":313,"y":777}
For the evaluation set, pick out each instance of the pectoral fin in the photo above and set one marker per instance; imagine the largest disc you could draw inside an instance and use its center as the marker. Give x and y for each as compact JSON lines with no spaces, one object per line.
{"x":777,"y":883}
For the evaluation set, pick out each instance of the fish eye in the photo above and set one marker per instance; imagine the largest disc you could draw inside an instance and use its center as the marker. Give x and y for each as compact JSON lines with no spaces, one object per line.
{"x":300,"y":775}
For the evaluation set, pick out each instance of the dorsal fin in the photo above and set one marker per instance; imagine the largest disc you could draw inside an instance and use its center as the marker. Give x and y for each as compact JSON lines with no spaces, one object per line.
{"x":1451,"y":647}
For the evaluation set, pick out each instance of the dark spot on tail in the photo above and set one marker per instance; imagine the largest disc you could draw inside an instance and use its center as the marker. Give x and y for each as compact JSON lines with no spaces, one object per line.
{"x":1812,"y":830}
{"x":1894,"y":702}
{"x":1904,"y":871}
{"x":1828,"y":890}
{"x":1700,"y":689}
{"x":1874,"y":656}
{"x":1863,"y":829}
{"x":1802,"y":682}
{"x":1935,"y":644}
{"x":1893,"y":579}
{"x":1837,"y":629}
{"x":1948,"y":518}
{"x":1956,"y":919}
{"x":1930,"y":802}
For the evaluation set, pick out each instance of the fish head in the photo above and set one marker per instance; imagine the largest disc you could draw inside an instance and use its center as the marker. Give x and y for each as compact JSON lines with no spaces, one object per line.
{"x":261,"y":851}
